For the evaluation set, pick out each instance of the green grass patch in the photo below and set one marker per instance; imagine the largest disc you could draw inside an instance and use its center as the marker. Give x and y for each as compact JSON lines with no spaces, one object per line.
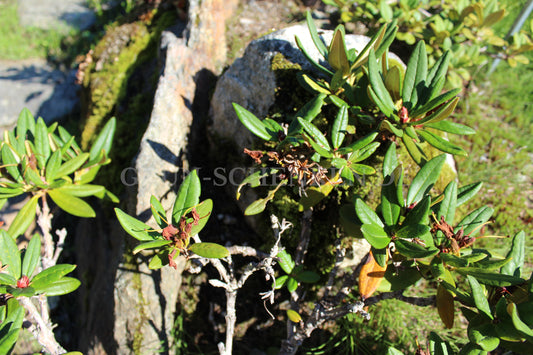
{"x":17,"y":42}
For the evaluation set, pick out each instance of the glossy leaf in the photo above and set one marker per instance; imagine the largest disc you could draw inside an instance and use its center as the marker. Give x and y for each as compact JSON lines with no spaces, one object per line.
{"x":413,"y":250}
{"x":9,"y":254}
{"x":446,"y":207}
{"x":382,"y":95}
{"x":484,"y":336}
{"x":32,"y":256}
{"x":337,"y":57}
{"x":24,"y":218}
{"x":250,"y":121}
{"x":311,"y":109}
{"x":518,"y":323}
{"x":363,"y":153}
{"x":375,"y":235}
{"x":414,"y":150}
{"x":7,"y":279}
{"x":425,"y":179}
{"x":51,"y":274}
{"x":390,"y":207}
{"x":441,"y":143}
{"x":482,"y":304}
{"x":280,"y":281}
{"x":466,"y":192}
{"x":59,"y":287}
{"x":434,"y":103}
{"x":370,"y":276}
{"x":490,"y":278}
{"x":42,"y":144}
{"x":517,"y":256}
{"x":451,"y":127}
{"x":314,"y":133}
{"x":339,"y":127}
{"x":292,"y":284}
{"x":415,"y":75}
{"x":72,"y":165}
{"x":53,"y":166}
{"x":307,"y":277}
{"x":285,"y":261}
{"x":151,"y":245}
{"x":71,"y":204}
{"x":390,"y":160}
{"x":104,"y":140}
{"x":188,"y":196}
{"x":158,"y":212}
{"x":10,"y":163}
{"x":419,"y":214}
{"x":133,"y":226}
{"x":474,"y":220}
{"x":319,"y":44}
{"x":209,"y":250}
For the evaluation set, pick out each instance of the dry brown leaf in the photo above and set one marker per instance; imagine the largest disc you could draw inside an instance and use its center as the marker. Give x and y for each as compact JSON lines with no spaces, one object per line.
{"x":370,"y":277}
{"x":445,"y":306}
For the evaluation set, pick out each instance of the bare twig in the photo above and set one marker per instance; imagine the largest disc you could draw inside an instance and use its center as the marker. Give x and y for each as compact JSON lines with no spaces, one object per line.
{"x":42,"y":329}
{"x":417,"y":301}
{"x":44,"y":220}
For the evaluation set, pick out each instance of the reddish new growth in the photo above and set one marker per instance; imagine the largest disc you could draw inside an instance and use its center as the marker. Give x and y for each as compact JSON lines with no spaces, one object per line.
{"x":180,"y":236}
{"x":404,"y":115}
{"x":457,"y":240}
{"x":23,"y":282}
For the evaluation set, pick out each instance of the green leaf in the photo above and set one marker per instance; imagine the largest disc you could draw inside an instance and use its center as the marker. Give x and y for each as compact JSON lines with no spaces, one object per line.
{"x":158,"y":212}
{"x":517,"y":256}
{"x":484,"y":336}
{"x":441,"y":143}
{"x":6,"y":279}
{"x":307,"y":277}
{"x":209,"y":250}
{"x":466,"y":192}
{"x":71,"y":204}
{"x":474,"y":220}
{"x":204,"y":210}
{"x":314,"y":35}
{"x":390,"y":160}
{"x":420,"y":213}
{"x":151,"y":245}
{"x":434,"y":103}
{"x":453,"y":260}
{"x":439,"y":69}
{"x":285,"y":261}
{"x":82,"y":190}
{"x":133,"y":226}
{"x":363,"y":153}
{"x":293,"y":315}
{"x":310,"y":58}
{"x":412,"y":231}
{"x":53,"y":166}
{"x":255,"y":179}
{"x":314,"y":133}
{"x":374,"y":42}
{"x":188,"y":196}
{"x":60,"y":287}
{"x":446,"y":207}
{"x":42,"y":145}
{"x":390,"y":207}
{"x":415,"y":76}
{"x":51,"y":274}
{"x":308,"y":112}
{"x":32,"y":256}
{"x":72,"y":165}
{"x":413,"y":149}
{"x":280,"y":281}
{"x":386,"y":125}
{"x":490,"y":278}
{"x":451,"y":127}
{"x":104,"y":140}
{"x":339,"y":127}
{"x":359,"y":144}
{"x":259,"y":205}
{"x":375,"y":235}
{"x":362,"y":170}
{"x":479,"y":297}
{"x":292,"y":284}
{"x":9,"y":254}
{"x":25,"y":122}
{"x":366,"y":214}
{"x":413,"y":250}
{"x":250,"y":121}
{"x":425,"y":179}
{"x":10,"y":163}
{"x":440,"y":114}
{"x":378,"y":87}
{"x":24,"y":218}
{"x":518,"y":323}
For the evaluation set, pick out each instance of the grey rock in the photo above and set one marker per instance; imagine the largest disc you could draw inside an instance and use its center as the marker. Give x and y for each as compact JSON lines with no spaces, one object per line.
{"x":63,"y":15}
{"x":36,"y":85}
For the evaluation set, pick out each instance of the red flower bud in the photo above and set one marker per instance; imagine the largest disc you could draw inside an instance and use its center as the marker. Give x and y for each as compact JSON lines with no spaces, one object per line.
{"x":23,"y":282}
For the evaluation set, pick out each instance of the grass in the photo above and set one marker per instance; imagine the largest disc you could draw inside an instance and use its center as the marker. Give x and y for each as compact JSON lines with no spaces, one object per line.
{"x":17,"y":42}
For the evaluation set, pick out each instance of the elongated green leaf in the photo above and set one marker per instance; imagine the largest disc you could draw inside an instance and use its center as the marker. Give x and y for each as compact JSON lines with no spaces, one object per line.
{"x":338,"y":130}
{"x":104,"y":140}
{"x":371,"y":45}
{"x":158,"y":212}
{"x":390,"y":160}
{"x":420,"y":213}
{"x":285,"y":261}
{"x":366,"y":215}
{"x":310,"y":57}
{"x":375,"y":235}
{"x":386,"y":125}
{"x":9,"y":254}
{"x":425,"y":179}
{"x":254,"y":179}
{"x":11,"y":326}
{"x":251,"y":122}
{"x":440,"y":114}
{"x":413,"y":149}
{"x":453,"y":260}
{"x":414,"y":250}
{"x":363,"y":153}
{"x":32,"y":256}
{"x":319,"y":44}
{"x":439,"y":69}
{"x":53,"y":166}
{"x":474,"y":220}
{"x":413,"y":231}
{"x":24,"y":218}
{"x":518,"y":323}
{"x":480,"y":299}
{"x":451,"y":127}
{"x":259,"y":206}
{"x":151,"y":245}
{"x":292,"y":284}
{"x":446,"y":207}
{"x":318,"y":148}
{"x":71,"y":204}
{"x":441,"y":143}
{"x":60,"y":287}
{"x":483,"y":336}
{"x":209,"y":250}
{"x":311,"y":109}
{"x":6,"y":279}
{"x":390,"y":207}
{"x":307,"y":276}
{"x":51,"y":274}
{"x":388,"y":37}
{"x":280,"y":281}
{"x":362,"y":169}
{"x":42,"y":145}
{"x":72,"y":165}
{"x":490,"y":278}
{"x":204,"y":210}
{"x":133,"y":226}
{"x":517,"y":255}
{"x":434,"y":103}
{"x":315,"y":133}
{"x":82,"y":190}
{"x":188,"y":196}
{"x":415,"y":76}
{"x":25,"y":122}
{"x":360,"y":143}
{"x":466,"y":192}
{"x":377,"y":85}
{"x":10,"y":163}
